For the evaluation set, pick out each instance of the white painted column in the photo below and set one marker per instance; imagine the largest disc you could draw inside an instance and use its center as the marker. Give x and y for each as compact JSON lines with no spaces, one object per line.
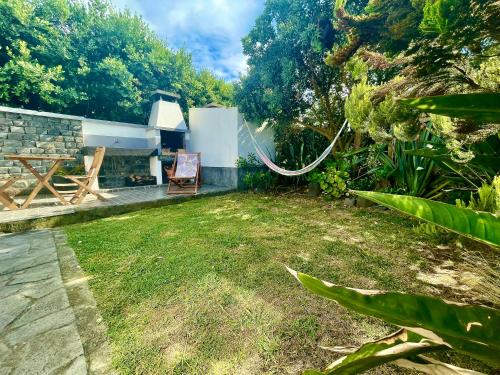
{"x":154,"y":141}
{"x":155,"y":168}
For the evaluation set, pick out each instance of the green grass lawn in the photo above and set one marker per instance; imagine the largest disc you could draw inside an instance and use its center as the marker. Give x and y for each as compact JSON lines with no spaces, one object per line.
{"x":200,"y":287}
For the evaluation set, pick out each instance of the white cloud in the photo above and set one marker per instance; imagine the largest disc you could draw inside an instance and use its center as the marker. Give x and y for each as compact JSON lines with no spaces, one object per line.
{"x":210,"y":29}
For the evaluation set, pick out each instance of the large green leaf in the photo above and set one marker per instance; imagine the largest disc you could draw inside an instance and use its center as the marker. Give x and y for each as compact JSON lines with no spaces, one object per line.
{"x":432,"y":366}
{"x":401,"y":344}
{"x":478,"y":106}
{"x":469,"y":329}
{"x":442,"y":154}
{"x":480,"y":226}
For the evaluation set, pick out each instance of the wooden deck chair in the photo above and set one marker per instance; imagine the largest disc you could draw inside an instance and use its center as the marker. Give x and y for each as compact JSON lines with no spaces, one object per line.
{"x":6,"y":199}
{"x":84,"y":183}
{"x":186,"y":174}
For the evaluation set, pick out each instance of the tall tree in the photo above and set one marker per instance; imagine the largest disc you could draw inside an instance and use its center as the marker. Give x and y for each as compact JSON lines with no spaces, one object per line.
{"x":87,"y":58}
{"x":288,"y":83}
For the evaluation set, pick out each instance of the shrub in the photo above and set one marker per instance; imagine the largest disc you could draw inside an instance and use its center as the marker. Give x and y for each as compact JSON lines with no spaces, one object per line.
{"x":255,"y":178}
{"x":488,"y":198}
{"x":259,"y":181}
{"x":332,"y":181}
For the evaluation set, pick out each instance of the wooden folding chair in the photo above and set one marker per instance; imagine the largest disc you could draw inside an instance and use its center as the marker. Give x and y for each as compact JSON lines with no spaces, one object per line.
{"x":186,"y":174}
{"x":5,"y":198}
{"x":84,"y":183}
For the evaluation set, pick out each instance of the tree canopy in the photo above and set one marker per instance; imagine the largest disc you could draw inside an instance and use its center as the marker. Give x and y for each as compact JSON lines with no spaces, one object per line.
{"x":88,"y":58}
{"x":398,"y":49}
{"x":288,"y":82}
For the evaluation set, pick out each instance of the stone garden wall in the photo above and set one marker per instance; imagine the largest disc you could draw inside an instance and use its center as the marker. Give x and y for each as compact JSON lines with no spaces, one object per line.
{"x":22,"y":133}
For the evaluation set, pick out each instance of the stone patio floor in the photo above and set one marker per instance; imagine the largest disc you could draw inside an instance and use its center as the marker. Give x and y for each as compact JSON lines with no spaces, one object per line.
{"x":50,"y":206}
{"x":49,"y":323}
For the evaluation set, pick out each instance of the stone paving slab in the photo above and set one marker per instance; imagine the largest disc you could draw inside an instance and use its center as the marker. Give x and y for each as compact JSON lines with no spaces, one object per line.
{"x":38,"y":328}
{"x":46,"y":207}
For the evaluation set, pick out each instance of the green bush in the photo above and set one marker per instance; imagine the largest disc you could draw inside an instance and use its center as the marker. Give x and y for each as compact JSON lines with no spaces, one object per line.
{"x":332,"y":181}
{"x":255,"y":178}
{"x":488,"y":198}
{"x":258,"y":181}
{"x":251,"y":161}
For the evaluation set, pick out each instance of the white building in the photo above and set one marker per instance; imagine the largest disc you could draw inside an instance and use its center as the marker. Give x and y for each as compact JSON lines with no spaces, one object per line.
{"x":218,"y":133}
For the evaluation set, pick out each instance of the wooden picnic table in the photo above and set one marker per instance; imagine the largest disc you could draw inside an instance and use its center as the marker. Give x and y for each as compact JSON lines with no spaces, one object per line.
{"x":43,"y":180}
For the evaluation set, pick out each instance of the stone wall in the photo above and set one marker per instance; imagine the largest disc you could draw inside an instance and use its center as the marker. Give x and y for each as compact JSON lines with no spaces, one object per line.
{"x":27,"y":134}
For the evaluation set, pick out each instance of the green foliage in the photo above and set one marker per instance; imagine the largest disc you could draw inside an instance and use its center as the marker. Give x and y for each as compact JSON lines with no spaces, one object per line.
{"x":435,"y":324}
{"x":254,"y":177}
{"x":90,"y":59}
{"x":389,"y":24}
{"x":480,"y":226}
{"x":428,"y":229}
{"x":470,"y":172}
{"x":399,"y":345}
{"x":78,"y":170}
{"x":358,"y":106}
{"x":332,"y":181}
{"x":287,"y":83}
{"x":417,"y":175}
{"x":488,"y":198}
{"x":477,"y":106}
{"x":390,"y":120}
{"x":424,"y":48}
{"x":24,"y":80}
{"x":436,"y":16}
{"x":408,"y":172}
{"x":259,"y":180}
{"x":296,"y":148}
{"x":251,"y":161}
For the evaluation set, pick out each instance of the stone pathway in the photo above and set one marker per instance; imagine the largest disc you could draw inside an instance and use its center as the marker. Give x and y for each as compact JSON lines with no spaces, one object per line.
{"x":39,"y":330}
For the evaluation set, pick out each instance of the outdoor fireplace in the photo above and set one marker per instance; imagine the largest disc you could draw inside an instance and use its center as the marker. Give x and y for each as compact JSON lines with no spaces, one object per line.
{"x":133,"y":152}
{"x":166,"y":115}
{"x":131,"y":149}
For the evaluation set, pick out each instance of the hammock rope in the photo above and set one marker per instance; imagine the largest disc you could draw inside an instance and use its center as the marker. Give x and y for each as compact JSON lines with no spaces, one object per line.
{"x":298,"y":172}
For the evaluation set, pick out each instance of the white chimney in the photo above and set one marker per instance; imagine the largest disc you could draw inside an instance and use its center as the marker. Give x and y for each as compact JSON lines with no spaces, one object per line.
{"x":166,"y":115}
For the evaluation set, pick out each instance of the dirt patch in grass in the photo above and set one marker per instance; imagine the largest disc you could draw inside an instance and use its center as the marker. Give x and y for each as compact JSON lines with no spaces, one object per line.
{"x":200,"y":287}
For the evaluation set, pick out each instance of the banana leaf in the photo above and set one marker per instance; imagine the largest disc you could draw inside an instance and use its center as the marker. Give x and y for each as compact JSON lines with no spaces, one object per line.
{"x":469,"y":329}
{"x":478,"y":106}
{"x":480,"y":226}
{"x":401,"y":344}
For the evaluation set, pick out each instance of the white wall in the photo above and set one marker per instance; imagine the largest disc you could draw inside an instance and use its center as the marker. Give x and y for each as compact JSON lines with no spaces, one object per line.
{"x":263,"y":134}
{"x":214,"y":133}
{"x":221,"y":136}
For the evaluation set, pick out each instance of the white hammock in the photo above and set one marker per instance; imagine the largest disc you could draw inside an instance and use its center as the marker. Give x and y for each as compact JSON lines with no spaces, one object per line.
{"x":298,"y":172}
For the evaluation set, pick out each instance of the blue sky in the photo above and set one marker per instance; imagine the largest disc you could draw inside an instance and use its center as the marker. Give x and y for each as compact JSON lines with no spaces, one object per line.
{"x":210,"y":29}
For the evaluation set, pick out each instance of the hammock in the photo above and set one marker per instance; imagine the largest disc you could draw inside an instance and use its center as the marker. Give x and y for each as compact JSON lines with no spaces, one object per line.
{"x":298,"y":172}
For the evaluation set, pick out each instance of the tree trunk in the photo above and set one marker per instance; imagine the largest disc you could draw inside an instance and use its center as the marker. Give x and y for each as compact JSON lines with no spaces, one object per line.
{"x":357,"y":139}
